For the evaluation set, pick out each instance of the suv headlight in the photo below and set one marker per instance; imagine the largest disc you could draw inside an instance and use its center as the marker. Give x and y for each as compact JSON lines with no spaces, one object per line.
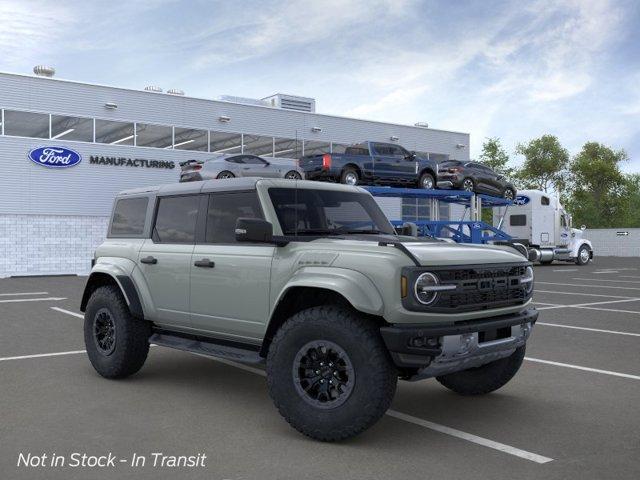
{"x":527,"y":280}
{"x":426,"y":288}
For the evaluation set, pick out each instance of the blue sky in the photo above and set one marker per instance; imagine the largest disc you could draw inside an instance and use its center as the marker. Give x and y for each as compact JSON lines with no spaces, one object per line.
{"x":515,"y":70}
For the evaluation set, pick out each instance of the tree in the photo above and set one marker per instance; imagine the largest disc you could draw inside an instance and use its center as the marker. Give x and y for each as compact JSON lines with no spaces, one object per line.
{"x":600,"y":194}
{"x":495,"y":157}
{"x":545,"y":164}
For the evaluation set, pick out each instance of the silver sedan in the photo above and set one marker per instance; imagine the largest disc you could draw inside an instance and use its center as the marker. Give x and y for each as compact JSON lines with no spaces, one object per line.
{"x":244,"y":165}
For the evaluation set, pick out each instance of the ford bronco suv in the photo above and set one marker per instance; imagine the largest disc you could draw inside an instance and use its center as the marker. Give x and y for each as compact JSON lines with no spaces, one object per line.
{"x":311,"y":280}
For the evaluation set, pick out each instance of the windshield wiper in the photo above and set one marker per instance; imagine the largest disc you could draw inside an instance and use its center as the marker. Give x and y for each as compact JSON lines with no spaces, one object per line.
{"x":365,"y":230}
{"x":313,"y":231}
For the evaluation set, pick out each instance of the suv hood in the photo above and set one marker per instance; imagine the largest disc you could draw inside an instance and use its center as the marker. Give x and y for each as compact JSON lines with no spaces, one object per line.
{"x":457,"y":254}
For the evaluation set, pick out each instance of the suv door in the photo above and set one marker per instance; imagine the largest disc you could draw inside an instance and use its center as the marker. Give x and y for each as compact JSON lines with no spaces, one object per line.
{"x":165,"y":259}
{"x":230,"y":281}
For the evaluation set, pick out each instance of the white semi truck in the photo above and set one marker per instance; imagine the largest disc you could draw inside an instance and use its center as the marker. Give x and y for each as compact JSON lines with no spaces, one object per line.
{"x":538,"y":221}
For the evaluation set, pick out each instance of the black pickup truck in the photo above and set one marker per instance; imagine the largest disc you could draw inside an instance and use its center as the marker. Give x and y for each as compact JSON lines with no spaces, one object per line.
{"x":372,"y":163}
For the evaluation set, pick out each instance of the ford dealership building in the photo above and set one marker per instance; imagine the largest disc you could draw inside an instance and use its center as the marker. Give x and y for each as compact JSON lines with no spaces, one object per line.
{"x":66,"y":148}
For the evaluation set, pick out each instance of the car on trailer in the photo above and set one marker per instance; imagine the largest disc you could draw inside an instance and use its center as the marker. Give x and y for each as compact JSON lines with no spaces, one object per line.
{"x":311,"y":280}
{"x":474,"y":177}
{"x":372,"y":163}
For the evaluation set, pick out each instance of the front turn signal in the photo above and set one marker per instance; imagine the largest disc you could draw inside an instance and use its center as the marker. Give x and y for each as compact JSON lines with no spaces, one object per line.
{"x":403,"y":286}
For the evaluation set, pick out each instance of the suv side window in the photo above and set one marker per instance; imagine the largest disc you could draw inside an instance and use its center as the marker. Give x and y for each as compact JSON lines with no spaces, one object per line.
{"x":176,"y":219}
{"x":223,"y":212}
{"x":128,"y":217}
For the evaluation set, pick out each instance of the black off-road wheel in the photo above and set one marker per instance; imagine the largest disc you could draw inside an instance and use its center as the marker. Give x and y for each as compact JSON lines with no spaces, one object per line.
{"x":117,"y":343}
{"x":329,"y":373}
{"x":484,"y":379}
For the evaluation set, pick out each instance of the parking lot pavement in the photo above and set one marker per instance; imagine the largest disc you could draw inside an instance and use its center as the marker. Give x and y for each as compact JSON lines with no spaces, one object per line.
{"x":571,"y":412}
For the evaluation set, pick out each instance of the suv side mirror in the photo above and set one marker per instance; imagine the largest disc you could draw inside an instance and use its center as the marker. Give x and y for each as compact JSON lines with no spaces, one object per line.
{"x":254,"y":230}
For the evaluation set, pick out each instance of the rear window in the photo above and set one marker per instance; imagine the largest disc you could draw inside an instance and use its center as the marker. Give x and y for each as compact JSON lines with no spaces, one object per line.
{"x":176,"y":219}
{"x":129,"y":216}
{"x":518,"y":220}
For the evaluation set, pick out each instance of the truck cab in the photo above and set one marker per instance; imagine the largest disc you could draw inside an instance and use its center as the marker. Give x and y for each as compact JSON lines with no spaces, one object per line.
{"x":539,"y":221}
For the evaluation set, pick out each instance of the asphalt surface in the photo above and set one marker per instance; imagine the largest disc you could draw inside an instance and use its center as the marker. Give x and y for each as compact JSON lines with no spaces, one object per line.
{"x":570,"y":413}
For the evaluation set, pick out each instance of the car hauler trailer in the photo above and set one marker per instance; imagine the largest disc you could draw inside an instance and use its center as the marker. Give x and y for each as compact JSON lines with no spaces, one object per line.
{"x":539,"y":221}
{"x":468,"y":229}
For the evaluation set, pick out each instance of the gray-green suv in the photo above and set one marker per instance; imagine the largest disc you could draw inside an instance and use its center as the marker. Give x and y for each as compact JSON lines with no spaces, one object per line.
{"x":310,"y":279}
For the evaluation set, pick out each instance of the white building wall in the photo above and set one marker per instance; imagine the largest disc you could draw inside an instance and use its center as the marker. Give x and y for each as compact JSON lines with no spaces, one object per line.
{"x":49,"y":244}
{"x":615,"y":242}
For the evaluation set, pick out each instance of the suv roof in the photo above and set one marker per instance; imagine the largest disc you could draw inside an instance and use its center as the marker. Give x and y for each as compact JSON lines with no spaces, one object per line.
{"x":231,"y":184}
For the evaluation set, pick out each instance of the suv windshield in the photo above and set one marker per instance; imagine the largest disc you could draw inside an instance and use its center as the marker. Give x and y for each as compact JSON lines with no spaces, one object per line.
{"x":327,"y":212}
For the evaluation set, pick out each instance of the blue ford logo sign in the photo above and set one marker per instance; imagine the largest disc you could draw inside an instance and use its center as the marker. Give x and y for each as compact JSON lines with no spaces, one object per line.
{"x":55,"y":157}
{"x":521,"y":200}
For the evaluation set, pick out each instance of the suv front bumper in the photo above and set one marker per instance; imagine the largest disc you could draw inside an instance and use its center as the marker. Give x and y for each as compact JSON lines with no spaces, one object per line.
{"x":432,"y":351}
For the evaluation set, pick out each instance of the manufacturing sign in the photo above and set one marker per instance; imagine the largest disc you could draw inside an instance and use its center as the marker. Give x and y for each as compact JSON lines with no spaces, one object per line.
{"x":55,"y":157}
{"x":131,"y":162}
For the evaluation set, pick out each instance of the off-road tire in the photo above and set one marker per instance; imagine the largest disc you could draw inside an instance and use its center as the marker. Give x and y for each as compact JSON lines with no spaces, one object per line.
{"x":484,"y":379}
{"x":131,"y":335}
{"x":345,"y":174}
{"x":424,"y":177}
{"x":375,"y":376}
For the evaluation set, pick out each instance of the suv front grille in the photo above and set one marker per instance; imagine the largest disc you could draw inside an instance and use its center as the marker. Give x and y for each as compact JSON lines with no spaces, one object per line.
{"x":478,"y":287}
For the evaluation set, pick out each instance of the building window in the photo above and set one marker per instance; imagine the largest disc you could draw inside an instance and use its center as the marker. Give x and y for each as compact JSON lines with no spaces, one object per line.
{"x":415,"y":209}
{"x":316,"y":148}
{"x":226,"y":143}
{"x":338,"y":147}
{"x":287,"y":148}
{"x":71,"y":128}
{"x":157,"y":136}
{"x":26,"y":124}
{"x":114,"y":133}
{"x":190,"y":139}
{"x":258,"y":145}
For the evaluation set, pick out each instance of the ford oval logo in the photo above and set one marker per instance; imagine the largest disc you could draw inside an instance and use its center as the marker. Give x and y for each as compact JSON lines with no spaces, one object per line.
{"x":521,"y":200}
{"x":55,"y":157}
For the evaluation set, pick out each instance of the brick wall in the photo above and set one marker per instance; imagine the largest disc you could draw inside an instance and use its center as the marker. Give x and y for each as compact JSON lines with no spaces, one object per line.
{"x":49,"y":244}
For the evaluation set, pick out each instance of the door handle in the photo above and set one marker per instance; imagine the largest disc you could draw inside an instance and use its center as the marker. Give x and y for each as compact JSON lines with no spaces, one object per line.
{"x":149,"y":260}
{"x":204,"y":263}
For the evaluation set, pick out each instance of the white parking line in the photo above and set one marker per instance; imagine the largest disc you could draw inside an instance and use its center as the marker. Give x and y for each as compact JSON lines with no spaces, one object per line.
{"x":16,"y":300}
{"x":610,"y":310}
{"x":42,"y":355}
{"x":629,"y":276}
{"x":580,"y":305}
{"x":485,"y":442}
{"x":567,"y":270}
{"x":603,"y":280}
{"x":590,"y":286}
{"x":392,"y":413}
{"x":23,"y":293}
{"x":580,"y":293}
{"x":68,"y":312}
{"x":598,"y":330}
{"x":586,"y":369}
{"x":606,"y":271}
{"x":469,"y":437}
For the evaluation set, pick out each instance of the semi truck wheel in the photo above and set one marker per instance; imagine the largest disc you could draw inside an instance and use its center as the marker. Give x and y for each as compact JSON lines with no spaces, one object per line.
{"x":484,"y":379}
{"x":584,"y":255}
{"x":329,"y":373}
{"x":117,"y":343}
